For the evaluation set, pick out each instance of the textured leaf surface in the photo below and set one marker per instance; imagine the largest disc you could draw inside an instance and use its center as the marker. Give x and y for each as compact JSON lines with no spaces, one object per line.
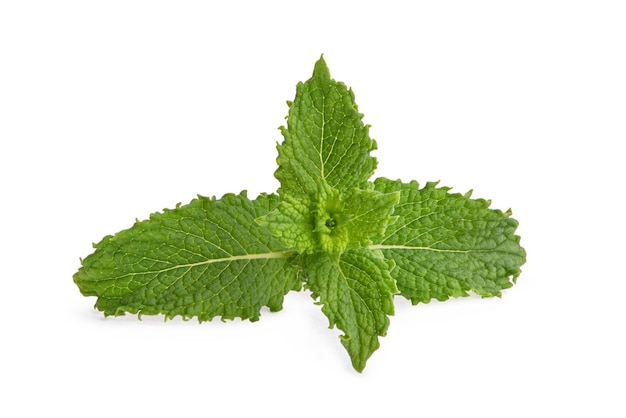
{"x":445,"y":245}
{"x":332,"y":224}
{"x":293,"y":222}
{"x":326,"y":145}
{"x":205,"y":259}
{"x":367,"y":214}
{"x":356,"y":293}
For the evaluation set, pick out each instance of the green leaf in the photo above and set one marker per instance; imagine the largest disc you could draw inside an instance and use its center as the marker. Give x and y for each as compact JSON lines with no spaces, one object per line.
{"x":205,"y":259}
{"x":447,"y":244}
{"x":332,"y":224}
{"x":356,"y":294}
{"x":326,"y":145}
{"x":367,"y":214}
{"x":293,"y":223}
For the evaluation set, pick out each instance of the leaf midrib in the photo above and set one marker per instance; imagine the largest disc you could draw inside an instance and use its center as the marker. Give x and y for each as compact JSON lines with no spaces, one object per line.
{"x":246,"y":257}
{"x":408,"y":247}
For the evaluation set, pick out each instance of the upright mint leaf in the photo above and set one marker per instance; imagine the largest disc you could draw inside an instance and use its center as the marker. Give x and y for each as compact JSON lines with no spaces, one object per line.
{"x":326,"y":145}
{"x":445,"y":245}
{"x":204,"y":259}
{"x":356,"y":294}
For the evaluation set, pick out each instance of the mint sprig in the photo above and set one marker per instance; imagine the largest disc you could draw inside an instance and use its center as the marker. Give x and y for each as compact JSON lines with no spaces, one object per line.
{"x":353,"y":243}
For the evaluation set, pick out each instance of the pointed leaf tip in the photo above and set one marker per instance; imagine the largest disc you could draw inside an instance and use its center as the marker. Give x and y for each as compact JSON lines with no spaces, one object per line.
{"x":321,"y":69}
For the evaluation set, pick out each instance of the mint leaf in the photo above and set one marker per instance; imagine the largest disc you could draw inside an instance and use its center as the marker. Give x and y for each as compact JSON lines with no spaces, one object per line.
{"x":446,"y":244}
{"x":352,"y":243}
{"x":367,"y":214}
{"x":326,"y":145}
{"x":356,"y":294}
{"x":204,"y":259}
{"x":293,"y":222}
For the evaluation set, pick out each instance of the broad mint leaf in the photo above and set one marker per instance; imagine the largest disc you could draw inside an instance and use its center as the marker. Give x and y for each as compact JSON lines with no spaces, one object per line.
{"x":356,"y":294}
{"x":447,"y":244}
{"x":204,"y":259}
{"x":326,"y":145}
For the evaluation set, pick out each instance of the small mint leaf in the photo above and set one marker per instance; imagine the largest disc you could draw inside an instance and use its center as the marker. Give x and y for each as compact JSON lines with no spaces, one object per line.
{"x":293,"y":223}
{"x":368,"y":213}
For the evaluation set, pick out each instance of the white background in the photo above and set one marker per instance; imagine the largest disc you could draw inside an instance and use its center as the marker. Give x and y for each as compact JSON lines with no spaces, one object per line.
{"x":112,"y":110}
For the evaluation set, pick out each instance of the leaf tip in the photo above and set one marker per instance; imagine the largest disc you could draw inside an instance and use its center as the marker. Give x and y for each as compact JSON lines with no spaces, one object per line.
{"x":321,"y":70}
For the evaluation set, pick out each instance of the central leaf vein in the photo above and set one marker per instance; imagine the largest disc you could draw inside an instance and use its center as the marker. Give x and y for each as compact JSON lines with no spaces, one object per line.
{"x":189,"y":266}
{"x":408,"y":247}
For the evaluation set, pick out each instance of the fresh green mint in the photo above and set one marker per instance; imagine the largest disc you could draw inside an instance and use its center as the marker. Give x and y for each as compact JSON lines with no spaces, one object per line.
{"x":353,"y":243}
